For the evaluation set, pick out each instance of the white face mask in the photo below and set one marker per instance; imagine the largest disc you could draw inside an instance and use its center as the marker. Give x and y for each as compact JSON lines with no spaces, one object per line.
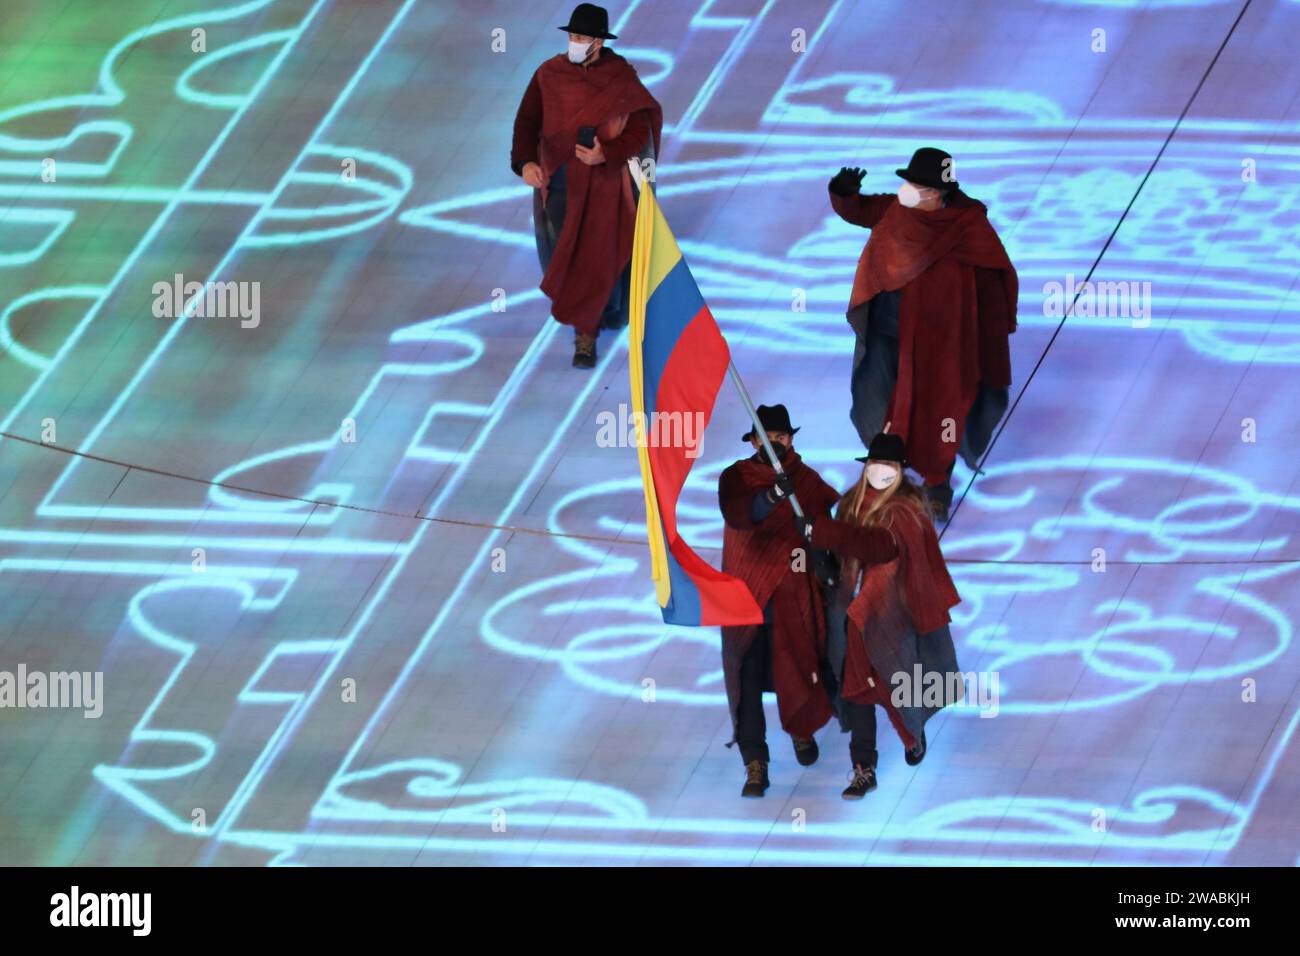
{"x":909,"y":195}
{"x":578,"y":51}
{"x":880,"y":475}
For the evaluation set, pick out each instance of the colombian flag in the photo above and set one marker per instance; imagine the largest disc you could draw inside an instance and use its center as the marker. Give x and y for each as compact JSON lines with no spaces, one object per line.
{"x":677,"y":358}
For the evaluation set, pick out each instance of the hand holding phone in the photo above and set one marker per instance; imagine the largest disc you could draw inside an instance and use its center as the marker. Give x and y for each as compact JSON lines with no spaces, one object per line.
{"x":589,"y":150}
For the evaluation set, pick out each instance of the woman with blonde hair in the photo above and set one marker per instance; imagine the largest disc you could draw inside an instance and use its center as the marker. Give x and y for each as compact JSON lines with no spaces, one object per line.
{"x":888,"y":612}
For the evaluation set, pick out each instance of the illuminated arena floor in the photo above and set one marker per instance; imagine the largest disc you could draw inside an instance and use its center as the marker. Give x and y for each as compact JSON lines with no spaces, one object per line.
{"x":313,"y":650}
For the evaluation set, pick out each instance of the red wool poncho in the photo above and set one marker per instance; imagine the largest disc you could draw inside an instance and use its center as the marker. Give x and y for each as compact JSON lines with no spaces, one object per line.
{"x":760,"y":555}
{"x":596,"y":242}
{"x":958,"y":305}
{"x":896,"y":599}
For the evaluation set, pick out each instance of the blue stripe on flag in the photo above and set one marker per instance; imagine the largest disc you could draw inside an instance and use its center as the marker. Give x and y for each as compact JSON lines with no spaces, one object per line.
{"x":671,"y":307}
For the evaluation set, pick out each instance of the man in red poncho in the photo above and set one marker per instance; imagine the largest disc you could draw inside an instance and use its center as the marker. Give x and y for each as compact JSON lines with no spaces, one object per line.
{"x":934,"y":301}
{"x":583,"y":116}
{"x":760,"y":545}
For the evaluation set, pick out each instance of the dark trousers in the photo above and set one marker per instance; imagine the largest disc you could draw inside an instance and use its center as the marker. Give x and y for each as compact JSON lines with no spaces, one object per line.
{"x":755,"y":676}
{"x":751,"y":723}
{"x":858,"y":719}
{"x":861,"y":719}
{"x":548,"y":220}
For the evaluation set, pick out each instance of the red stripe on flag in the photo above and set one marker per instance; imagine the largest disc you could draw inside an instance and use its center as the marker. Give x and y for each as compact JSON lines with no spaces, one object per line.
{"x":689,"y":385}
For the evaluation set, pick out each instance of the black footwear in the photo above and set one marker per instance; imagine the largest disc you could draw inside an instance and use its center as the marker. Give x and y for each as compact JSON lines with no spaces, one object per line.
{"x":805,"y":751}
{"x":938,"y":498}
{"x":863,"y":782}
{"x":756,"y":782}
{"x":917,"y":753}
{"x":584,"y":350}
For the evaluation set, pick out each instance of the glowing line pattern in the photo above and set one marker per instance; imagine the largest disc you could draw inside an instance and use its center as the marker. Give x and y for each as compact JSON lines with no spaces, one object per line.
{"x":577,"y":620}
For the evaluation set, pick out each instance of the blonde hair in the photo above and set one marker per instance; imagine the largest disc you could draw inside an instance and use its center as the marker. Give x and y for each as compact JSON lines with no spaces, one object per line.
{"x":882,"y":511}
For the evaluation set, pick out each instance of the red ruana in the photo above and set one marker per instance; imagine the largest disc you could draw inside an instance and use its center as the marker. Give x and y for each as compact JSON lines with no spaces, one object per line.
{"x":761,"y":556}
{"x":912,"y":593}
{"x":596,"y":242}
{"x":958,"y":305}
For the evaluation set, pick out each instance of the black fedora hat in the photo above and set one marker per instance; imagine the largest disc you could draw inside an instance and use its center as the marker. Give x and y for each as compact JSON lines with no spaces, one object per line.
{"x":886,"y":447}
{"x":589,"y":20}
{"x":774,"y":418}
{"x":927,"y":168}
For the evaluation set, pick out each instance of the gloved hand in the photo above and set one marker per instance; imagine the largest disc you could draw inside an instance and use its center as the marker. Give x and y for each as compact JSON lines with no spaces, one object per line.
{"x":826,"y":566}
{"x":783,"y":488}
{"x":848,"y":181}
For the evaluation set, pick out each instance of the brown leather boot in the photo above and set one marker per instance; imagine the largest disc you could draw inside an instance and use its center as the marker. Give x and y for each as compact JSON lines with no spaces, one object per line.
{"x":805,"y":750}
{"x":756,"y":782}
{"x":584,"y":350}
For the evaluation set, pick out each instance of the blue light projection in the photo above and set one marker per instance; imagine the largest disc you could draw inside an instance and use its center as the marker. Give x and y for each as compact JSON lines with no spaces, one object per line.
{"x":586,"y":620}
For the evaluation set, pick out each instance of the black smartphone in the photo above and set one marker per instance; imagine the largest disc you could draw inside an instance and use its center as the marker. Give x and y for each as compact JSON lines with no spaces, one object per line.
{"x":587,"y":136}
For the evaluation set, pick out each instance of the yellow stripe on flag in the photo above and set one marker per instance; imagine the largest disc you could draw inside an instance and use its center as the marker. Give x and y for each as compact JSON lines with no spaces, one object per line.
{"x":652,"y":249}
{"x":664,"y":253}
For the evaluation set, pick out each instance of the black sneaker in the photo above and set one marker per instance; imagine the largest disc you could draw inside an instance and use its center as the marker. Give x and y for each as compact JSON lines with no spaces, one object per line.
{"x":584,"y":351}
{"x":756,"y":782}
{"x":805,"y":751}
{"x":863,"y":782}
{"x":917,"y":753}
